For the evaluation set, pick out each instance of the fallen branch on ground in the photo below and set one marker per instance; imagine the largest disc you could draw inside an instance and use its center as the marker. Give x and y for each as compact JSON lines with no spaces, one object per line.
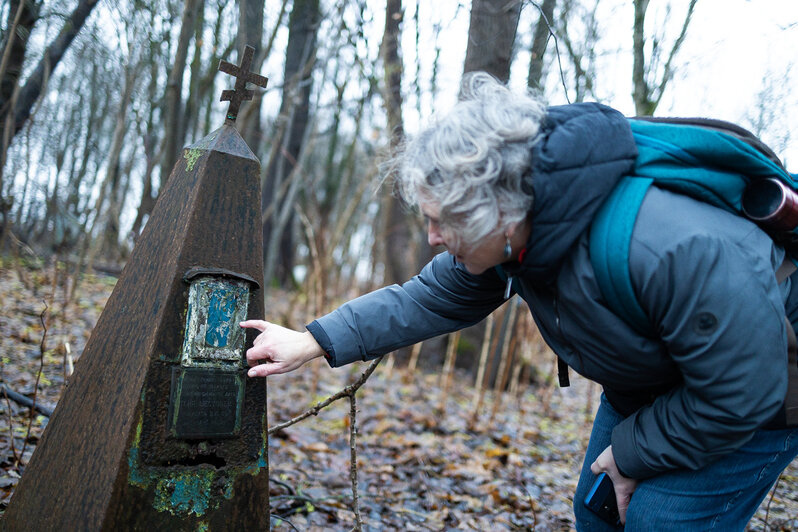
{"x":25,"y":401}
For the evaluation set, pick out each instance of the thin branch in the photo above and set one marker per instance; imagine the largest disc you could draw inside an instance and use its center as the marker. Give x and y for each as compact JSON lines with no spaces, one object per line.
{"x":556,"y":49}
{"x":38,"y":377}
{"x":353,"y":459}
{"x":668,"y":69}
{"x":770,"y":500}
{"x":12,"y":32}
{"x":10,"y":421}
{"x":315,"y":409}
{"x":284,"y":520}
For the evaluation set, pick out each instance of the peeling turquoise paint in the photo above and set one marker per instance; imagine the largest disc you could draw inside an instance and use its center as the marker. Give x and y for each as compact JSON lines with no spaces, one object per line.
{"x":222,"y":305}
{"x":186,"y":492}
{"x":212,"y":335}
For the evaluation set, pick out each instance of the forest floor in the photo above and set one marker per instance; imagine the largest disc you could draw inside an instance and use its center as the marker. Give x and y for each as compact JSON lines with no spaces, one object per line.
{"x":425,"y":460}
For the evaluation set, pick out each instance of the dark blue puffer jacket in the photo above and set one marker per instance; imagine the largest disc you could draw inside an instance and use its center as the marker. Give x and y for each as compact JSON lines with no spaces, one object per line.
{"x":713,"y":374}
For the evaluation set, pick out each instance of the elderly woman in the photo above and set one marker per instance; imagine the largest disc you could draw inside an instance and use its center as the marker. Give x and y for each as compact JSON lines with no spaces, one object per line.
{"x":510,"y":188}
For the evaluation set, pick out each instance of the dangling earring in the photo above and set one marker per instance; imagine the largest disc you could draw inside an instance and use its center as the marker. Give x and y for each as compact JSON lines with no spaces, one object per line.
{"x":508,"y":249}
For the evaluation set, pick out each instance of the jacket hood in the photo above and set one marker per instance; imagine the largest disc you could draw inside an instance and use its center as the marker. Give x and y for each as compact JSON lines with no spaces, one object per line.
{"x":585,"y":149}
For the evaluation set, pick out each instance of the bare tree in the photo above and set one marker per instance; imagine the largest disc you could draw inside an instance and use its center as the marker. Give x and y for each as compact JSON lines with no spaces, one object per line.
{"x":540,"y":41}
{"x":398,"y":260}
{"x":173,"y":102}
{"x":649,"y":78}
{"x":491,"y":34}
{"x":581,"y":50}
{"x":278,"y":237}
{"x":16,"y":101}
{"x":250,"y":33}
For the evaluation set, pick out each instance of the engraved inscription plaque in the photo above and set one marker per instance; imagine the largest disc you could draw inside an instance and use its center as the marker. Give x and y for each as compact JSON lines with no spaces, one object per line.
{"x":205,"y":403}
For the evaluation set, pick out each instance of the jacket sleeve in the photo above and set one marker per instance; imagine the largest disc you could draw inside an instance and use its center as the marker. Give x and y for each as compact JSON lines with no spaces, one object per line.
{"x":719,"y":313}
{"x":443,"y":298}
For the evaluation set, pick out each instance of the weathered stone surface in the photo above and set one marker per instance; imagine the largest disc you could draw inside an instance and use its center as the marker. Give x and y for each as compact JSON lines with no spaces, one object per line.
{"x":108,"y":459}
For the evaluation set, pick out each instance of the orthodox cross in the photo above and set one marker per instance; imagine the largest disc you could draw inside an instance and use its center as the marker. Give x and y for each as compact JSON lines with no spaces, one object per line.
{"x":242,"y":75}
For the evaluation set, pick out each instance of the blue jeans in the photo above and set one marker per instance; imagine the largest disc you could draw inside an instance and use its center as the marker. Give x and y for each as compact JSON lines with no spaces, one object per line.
{"x":721,"y":496}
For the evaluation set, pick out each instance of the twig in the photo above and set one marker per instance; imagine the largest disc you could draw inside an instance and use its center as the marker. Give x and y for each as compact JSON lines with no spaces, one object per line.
{"x":448,"y":369}
{"x":315,"y":409}
{"x":284,"y":520}
{"x":770,"y":500}
{"x":353,"y":460}
{"x":10,"y":427}
{"x":38,"y":377}
{"x":556,"y":49}
{"x":349,"y":391}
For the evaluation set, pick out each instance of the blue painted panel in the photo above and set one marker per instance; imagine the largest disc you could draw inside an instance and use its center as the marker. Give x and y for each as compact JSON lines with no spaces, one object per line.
{"x":221,"y":307}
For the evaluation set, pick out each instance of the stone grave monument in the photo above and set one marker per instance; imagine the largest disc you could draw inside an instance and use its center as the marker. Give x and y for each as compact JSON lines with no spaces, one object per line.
{"x":159,"y":427}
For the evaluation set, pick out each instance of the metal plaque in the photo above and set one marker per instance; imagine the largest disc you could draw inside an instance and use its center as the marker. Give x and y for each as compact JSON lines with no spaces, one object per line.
{"x":213,"y":337}
{"x":205,"y":403}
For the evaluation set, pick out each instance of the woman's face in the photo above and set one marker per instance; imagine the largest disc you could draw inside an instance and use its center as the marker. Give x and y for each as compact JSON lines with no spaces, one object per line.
{"x":489,"y":252}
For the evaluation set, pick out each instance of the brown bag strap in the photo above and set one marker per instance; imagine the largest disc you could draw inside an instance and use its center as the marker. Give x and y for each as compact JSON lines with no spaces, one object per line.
{"x":791,"y":399}
{"x":785,"y":270}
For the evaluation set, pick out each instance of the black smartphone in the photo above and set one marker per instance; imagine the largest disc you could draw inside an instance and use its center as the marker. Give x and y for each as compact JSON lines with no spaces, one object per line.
{"x":601,"y":500}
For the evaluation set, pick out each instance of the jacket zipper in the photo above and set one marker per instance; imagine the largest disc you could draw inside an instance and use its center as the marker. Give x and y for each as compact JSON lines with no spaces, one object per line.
{"x":562,"y":366}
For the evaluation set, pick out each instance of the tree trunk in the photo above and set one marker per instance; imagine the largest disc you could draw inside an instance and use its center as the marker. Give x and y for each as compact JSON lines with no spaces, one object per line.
{"x":641,"y":89}
{"x":173,"y":104}
{"x":398,"y":259}
{"x":108,"y":241}
{"x":52,"y":56}
{"x":491,"y":34}
{"x":539,"y":42}
{"x":647,"y":90}
{"x":14,"y":112}
{"x":151,"y":155}
{"x":291,"y":126}
{"x":190,"y":115}
{"x":22,"y":15}
{"x":250,"y":33}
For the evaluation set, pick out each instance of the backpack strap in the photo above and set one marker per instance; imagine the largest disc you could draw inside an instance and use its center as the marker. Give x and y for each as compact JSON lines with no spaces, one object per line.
{"x":610,"y":236}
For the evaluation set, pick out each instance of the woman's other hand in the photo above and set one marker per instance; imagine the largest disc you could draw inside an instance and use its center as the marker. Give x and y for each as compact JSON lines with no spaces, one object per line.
{"x":624,"y":486}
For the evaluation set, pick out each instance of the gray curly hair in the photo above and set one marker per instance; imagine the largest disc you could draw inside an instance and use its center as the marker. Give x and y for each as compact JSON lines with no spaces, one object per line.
{"x":472,"y":161}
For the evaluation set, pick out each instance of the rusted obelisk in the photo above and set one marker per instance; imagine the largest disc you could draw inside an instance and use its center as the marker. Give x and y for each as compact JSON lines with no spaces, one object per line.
{"x":159,"y":428}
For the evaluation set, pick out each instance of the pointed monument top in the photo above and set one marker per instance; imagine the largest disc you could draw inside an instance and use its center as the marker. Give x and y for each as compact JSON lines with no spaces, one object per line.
{"x":242,"y":75}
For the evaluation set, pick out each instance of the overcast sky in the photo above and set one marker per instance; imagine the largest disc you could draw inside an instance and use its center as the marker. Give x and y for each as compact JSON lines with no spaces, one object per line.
{"x":735,"y":50}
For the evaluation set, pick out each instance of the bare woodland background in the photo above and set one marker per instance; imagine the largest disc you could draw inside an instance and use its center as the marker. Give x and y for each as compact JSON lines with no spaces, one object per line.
{"x":97,"y":98}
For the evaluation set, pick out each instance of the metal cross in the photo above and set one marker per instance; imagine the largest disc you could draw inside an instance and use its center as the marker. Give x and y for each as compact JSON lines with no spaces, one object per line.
{"x":242,"y":75}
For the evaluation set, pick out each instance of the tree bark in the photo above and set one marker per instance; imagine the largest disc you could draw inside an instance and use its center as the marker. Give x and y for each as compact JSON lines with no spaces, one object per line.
{"x":278,"y":238}
{"x":641,"y":89}
{"x":398,"y":260}
{"x":14,"y":112}
{"x":539,"y":42}
{"x":491,"y":35}
{"x":250,"y":33}
{"x":173,"y":103}
{"x":52,"y":56}
{"x":647,"y":94}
